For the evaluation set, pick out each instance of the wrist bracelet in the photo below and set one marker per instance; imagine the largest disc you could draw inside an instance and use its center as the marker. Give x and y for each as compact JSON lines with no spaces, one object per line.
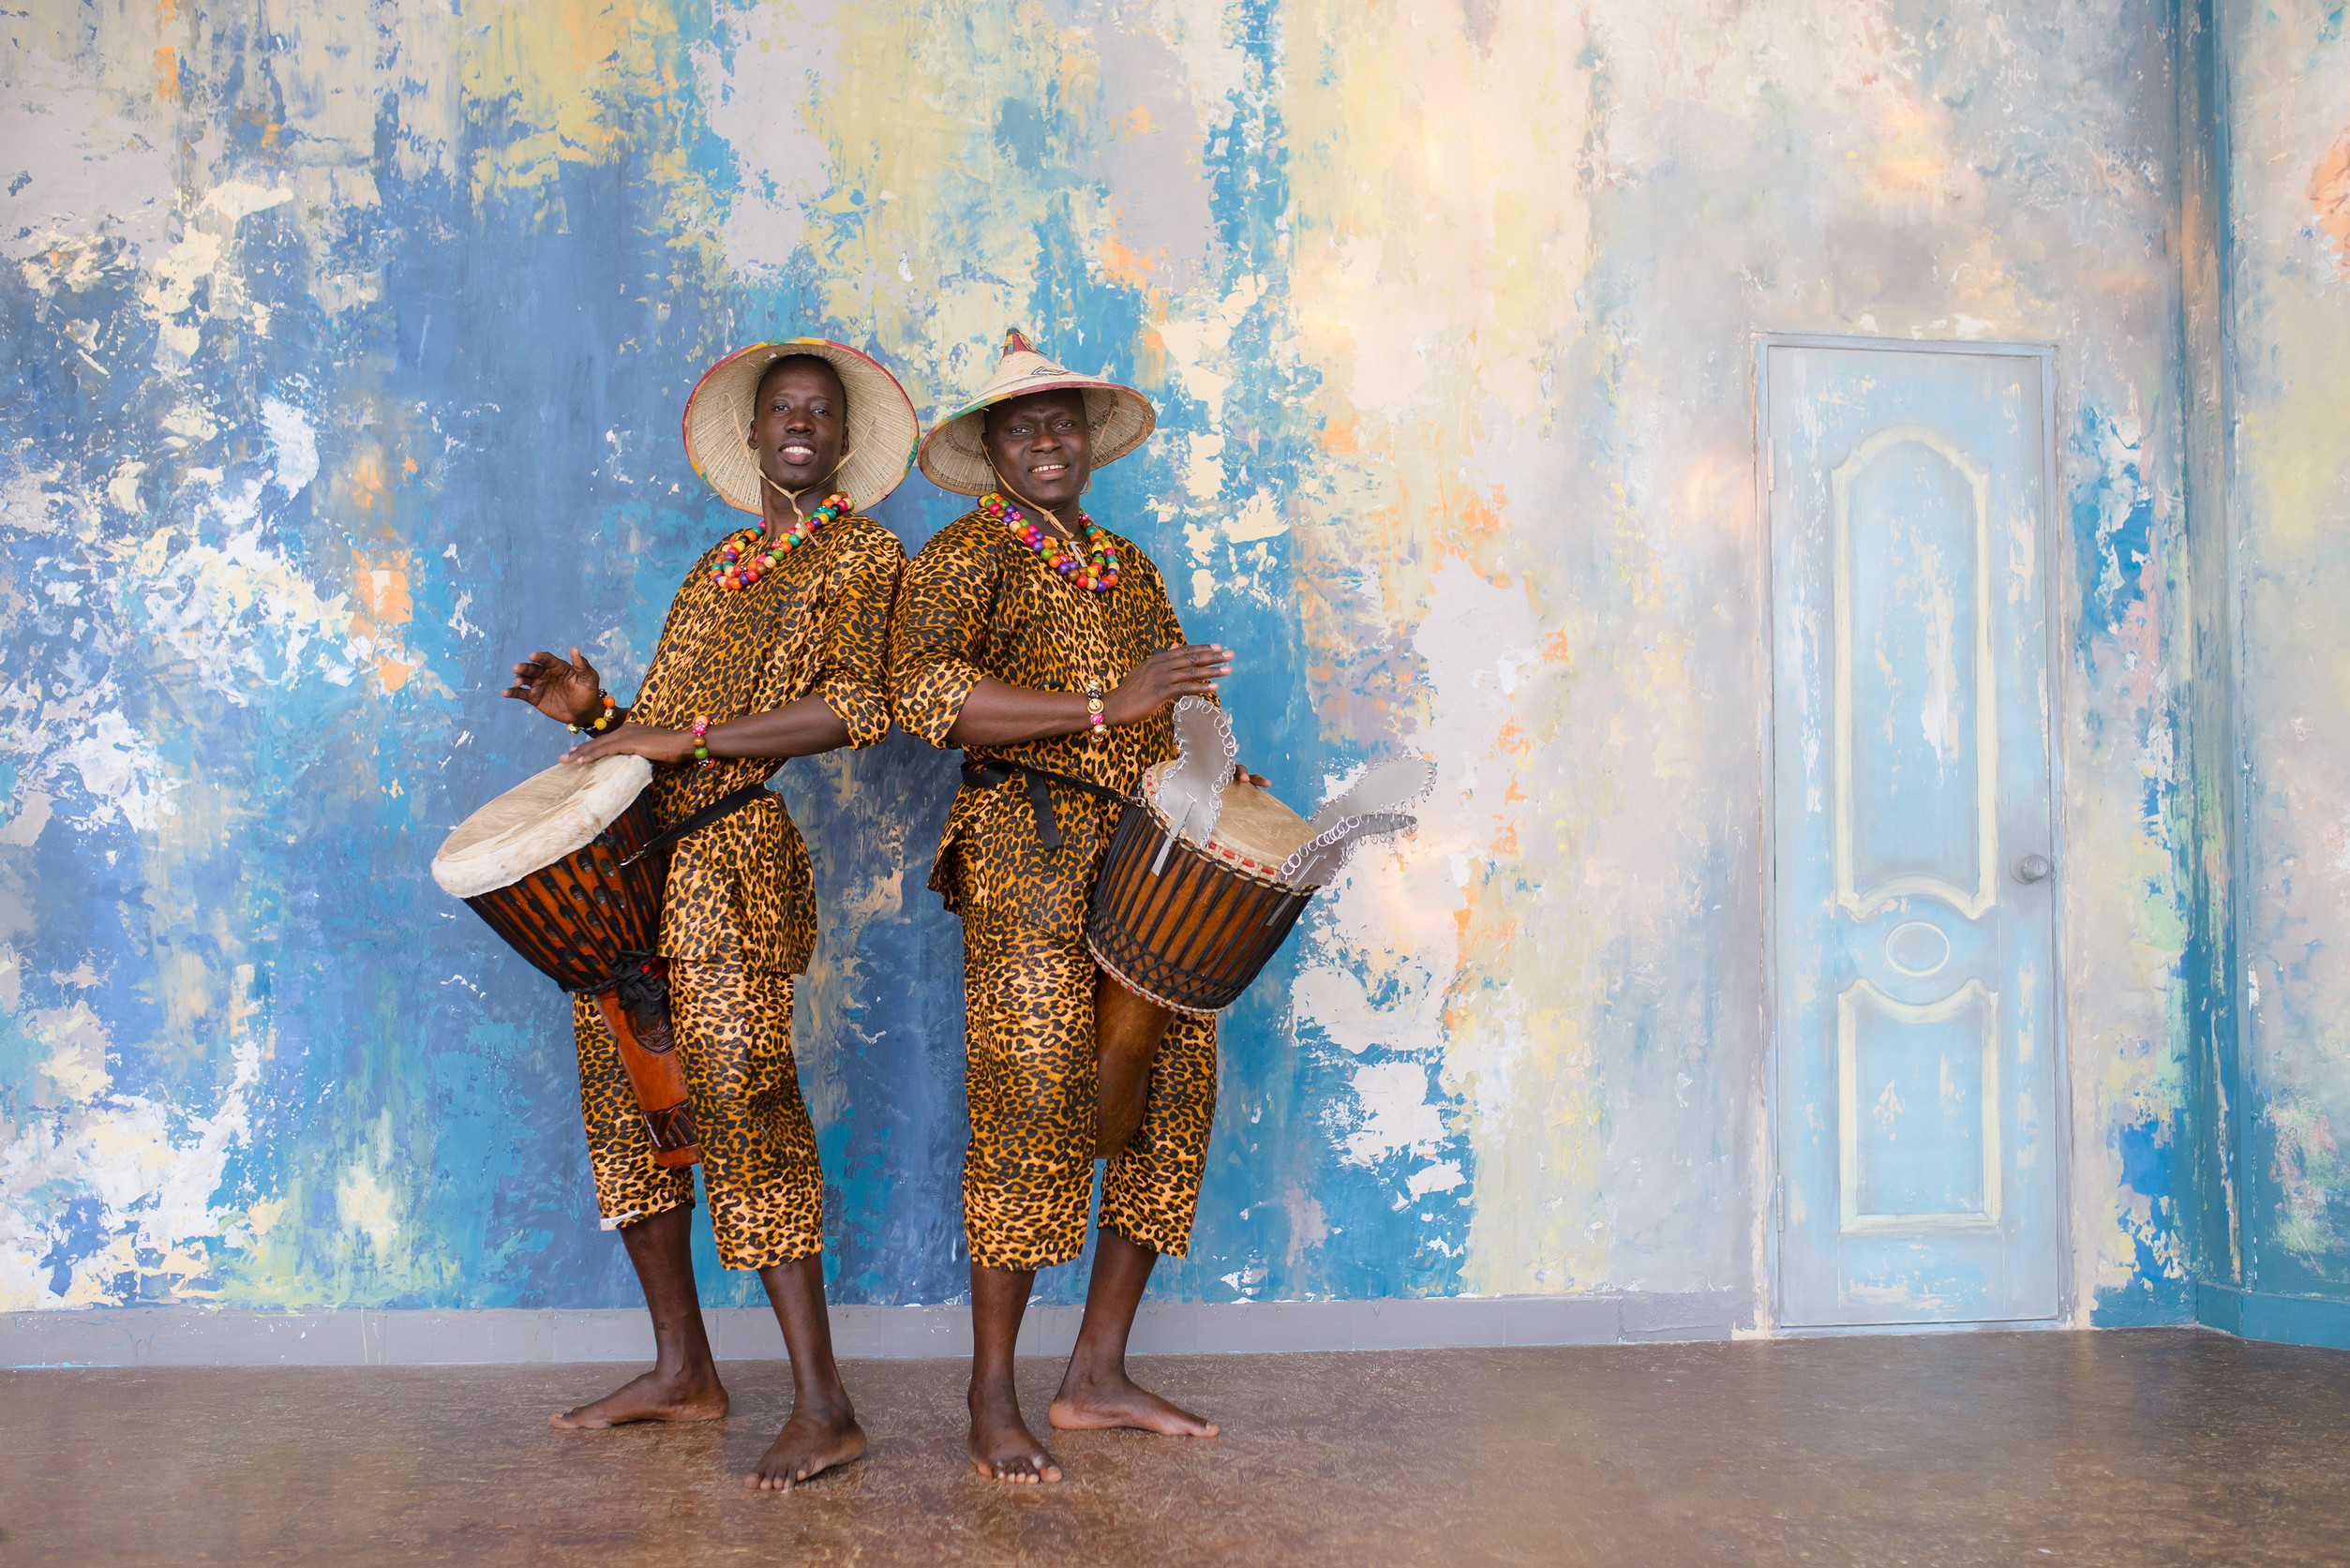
{"x":701,"y":740}
{"x":603,"y":721}
{"x":1094,"y":714}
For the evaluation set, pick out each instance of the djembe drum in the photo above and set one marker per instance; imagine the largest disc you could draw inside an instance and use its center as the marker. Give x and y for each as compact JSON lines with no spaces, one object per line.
{"x":568,"y":867}
{"x":1204,"y":876}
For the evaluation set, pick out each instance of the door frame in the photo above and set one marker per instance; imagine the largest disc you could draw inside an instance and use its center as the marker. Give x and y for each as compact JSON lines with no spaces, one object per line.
{"x":2055,"y":587}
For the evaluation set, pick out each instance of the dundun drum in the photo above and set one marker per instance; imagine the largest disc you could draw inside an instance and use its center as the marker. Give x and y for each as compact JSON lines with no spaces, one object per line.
{"x":1179,"y":927}
{"x":557,"y":866}
{"x":1205,"y":875}
{"x":1188,"y":926}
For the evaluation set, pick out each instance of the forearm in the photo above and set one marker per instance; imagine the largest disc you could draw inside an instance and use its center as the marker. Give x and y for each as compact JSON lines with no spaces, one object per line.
{"x":801,"y":728}
{"x":996,"y":713}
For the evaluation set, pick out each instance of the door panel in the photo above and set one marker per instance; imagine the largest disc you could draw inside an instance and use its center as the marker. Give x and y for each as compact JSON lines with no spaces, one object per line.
{"x":1916,"y":1089}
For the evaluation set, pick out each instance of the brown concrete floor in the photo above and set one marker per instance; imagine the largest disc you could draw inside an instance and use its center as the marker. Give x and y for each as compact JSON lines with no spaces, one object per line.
{"x":2151,"y":1447}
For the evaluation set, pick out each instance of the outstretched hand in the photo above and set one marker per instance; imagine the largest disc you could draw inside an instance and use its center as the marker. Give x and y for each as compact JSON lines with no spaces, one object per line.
{"x":663,"y":748}
{"x":1191,"y":670}
{"x":566,"y":690}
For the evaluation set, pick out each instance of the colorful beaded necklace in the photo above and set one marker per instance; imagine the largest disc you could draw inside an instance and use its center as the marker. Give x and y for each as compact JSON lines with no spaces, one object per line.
{"x":1098,"y":571}
{"x":733,"y":573}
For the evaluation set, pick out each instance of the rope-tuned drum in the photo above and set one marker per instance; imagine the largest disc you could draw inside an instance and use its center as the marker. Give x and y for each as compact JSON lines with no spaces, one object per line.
{"x":568,"y":867}
{"x":1205,"y":875}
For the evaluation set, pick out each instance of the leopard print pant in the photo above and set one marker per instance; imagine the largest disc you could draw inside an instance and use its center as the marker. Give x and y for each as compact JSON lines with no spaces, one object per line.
{"x":766,"y":1190}
{"x":1029,"y":1067}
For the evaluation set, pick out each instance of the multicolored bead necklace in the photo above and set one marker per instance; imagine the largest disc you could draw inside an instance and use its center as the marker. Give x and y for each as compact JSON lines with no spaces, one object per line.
{"x":733,"y":573}
{"x":1098,"y":571}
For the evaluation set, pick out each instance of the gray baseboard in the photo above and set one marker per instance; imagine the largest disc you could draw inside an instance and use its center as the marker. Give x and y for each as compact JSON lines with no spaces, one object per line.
{"x":206,"y":1337}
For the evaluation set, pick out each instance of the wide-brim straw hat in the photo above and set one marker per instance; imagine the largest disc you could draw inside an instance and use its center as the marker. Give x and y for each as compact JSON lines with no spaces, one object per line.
{"x":881,"y":437}
{"x":1120,"y":418}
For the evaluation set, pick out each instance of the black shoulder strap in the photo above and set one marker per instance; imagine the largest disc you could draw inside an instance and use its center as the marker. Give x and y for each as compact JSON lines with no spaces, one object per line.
{"x":725,"y":805}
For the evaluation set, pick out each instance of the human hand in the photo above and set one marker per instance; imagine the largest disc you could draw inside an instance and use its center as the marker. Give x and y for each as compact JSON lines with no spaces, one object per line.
{"x":566,"y":690}
{"x":1241,"y":775}
{"x":1191,"y":670}
{"x":663,"y":748}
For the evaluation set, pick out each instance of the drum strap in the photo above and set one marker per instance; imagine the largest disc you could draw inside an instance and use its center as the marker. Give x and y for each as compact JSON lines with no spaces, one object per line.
{"x":725,"y":805}
{"x":984,"y":771}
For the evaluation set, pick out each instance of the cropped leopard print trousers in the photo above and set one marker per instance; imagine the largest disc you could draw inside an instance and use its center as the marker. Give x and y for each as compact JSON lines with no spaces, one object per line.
{"x":1028,"y":1070}
{"x":759,"y":1169}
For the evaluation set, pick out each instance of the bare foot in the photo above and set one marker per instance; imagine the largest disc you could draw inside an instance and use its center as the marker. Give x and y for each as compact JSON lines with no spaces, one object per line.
{"x":811,"y":1442}
{"x":1093,"y":1404}
{"x":1003,"y":1449}
{"x":655,"y":1396}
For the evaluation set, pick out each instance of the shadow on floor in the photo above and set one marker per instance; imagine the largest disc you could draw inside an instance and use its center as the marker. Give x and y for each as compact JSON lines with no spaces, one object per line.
{"x":2140,"y":1447}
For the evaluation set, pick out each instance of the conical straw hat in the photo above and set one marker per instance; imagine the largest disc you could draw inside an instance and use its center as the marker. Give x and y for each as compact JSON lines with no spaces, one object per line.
{"x":879,"y":440}
{"x":1120,"y":417}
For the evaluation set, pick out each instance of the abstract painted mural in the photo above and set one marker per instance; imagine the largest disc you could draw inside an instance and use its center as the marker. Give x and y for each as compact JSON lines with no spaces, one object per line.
{"x":2289,"y":180}
{"x":347,"y":349}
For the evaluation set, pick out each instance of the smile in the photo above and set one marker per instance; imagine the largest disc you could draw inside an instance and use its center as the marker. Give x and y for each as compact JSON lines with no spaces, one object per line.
{"x":798,"y":455}
{"x":1048,"y":470}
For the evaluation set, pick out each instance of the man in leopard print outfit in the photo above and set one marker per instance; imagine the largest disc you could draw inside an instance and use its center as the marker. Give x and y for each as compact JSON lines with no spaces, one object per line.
{"x":1014,"y":647}
{"x":788,"y":663}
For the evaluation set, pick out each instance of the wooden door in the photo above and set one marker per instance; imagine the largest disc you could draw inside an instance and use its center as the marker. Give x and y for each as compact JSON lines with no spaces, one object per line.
{"x":1916,"y":1093}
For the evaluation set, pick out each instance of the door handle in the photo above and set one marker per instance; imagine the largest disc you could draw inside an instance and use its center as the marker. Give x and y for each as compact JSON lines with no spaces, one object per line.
{"x":2033,"y":868}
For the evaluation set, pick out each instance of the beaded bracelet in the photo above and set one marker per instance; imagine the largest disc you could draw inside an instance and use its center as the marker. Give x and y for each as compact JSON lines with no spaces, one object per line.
{"x":1094,"y":714}
{"x":701,"y":740}
{"x":603,"y":721}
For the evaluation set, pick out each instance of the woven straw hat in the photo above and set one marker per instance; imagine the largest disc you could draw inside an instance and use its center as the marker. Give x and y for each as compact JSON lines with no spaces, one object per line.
{"x":1120,"y":417}
{"x":879,"y":440}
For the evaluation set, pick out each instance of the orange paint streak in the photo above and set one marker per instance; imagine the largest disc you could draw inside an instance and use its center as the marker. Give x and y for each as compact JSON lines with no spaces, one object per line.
{"x":1911,"y":173}
{"x":2329,"y":193}
{"x":382,"y":588}
{"x":1150,"y":353}
{"x":379,"y":584}
{"x":366,"y":481}
{"x":167,"y":74}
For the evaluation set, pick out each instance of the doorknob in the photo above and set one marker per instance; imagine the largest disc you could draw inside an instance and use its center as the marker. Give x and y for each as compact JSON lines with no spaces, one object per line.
{"x":2033,"y":868}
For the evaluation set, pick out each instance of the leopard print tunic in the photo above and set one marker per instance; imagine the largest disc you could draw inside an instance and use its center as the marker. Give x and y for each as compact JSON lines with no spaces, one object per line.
{"x":739,"y":915}
{"x":977,"y":602}
{"x":819,"y":625}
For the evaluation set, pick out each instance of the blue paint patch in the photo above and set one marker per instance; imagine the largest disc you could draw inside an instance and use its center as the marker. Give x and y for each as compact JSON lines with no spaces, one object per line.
{"x":2111,"y":514}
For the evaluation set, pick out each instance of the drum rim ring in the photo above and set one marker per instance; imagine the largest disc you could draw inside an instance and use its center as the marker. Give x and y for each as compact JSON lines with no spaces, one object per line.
{"x":1255,"y":871}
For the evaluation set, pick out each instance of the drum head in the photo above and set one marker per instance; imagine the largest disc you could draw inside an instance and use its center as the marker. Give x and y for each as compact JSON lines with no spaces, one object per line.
{"x":537,"y":823}
{"x":1256,"y":827}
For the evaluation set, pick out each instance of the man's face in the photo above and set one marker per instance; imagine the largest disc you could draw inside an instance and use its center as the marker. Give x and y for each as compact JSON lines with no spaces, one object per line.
{"x":799,"y":423}
{"x":1042,"y":446}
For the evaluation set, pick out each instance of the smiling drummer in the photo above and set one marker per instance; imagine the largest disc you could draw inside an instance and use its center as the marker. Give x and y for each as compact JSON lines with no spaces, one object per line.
{"x":774,"y":648}
{"x":1037,"y":639}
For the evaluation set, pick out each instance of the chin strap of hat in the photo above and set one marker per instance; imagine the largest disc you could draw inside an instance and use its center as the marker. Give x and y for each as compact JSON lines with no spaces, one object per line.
{"x":793,"y":496}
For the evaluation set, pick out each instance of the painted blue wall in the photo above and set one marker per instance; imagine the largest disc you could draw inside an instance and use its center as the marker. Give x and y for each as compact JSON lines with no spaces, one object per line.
{"x":346,"y":358}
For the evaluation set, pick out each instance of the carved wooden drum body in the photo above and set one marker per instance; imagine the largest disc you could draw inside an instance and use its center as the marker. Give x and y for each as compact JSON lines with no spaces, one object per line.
{"x":1186,"y":925}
